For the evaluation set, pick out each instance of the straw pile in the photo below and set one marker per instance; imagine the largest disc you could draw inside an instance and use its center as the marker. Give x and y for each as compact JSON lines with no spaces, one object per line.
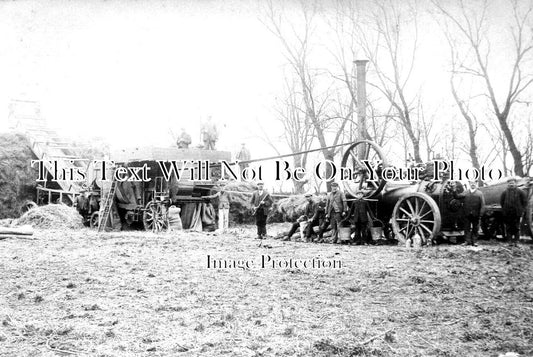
{"x":17,"y":178}
{"x":293,"y":207}
{"x":52,"y":216}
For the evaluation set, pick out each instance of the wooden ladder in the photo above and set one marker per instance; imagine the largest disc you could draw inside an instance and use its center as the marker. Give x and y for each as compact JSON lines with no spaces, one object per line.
{"x":108,"y":202}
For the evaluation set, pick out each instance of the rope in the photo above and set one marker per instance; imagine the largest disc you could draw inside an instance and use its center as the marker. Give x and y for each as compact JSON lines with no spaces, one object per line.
{"x":251,"y":193}
{"x":285,"y":155}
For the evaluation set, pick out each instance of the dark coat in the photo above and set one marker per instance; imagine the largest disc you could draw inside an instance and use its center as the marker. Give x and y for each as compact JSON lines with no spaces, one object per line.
{"x":320,"y":212}
{"x":474,"y":203}
{"x":514,"y":202}
{"x":310,"y":210}
{"x":360,"y":210}
{"x":336,"y":203}
{"x":262,"y":202}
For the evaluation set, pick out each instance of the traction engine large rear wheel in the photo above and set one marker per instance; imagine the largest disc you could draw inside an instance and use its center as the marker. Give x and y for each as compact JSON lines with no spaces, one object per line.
{"x":416,"y":213}
{"x":354,"y":159}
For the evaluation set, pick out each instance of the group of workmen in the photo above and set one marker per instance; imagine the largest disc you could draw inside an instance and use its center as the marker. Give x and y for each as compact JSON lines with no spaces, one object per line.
{"x":334,"y":213}
{"x":513,"y":202}
{"x":208,"y":135}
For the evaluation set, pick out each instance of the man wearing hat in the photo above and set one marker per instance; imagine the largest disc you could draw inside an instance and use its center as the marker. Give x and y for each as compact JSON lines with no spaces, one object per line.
{"x":184,"y":140}
{"x":243,"y":155}
{"x":261,"y":203}
{"x":474,"y":206}
{"x":318,"y":219}
{"x":82,"y":203}
{"x":514,"y":203}
{"x":308,"y":214}
{"x":223,"y":208}
{"x":336,"y":209}
{"x":359,"y":213}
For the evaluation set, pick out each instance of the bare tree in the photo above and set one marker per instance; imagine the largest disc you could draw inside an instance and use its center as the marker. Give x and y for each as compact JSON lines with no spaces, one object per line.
{"x":427,"y":132}
{"x":528,"y":151}
{"x":345,"y":50}
{"x":316,"y":99}
{"x":298,"y":132}
{"x":471,"y":26}
{"x":389,"y":41}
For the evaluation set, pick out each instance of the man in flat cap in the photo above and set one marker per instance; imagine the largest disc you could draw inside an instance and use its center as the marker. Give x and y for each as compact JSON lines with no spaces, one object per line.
{"x":336,"y":209}
{"x":474,"y":206}
{"x":261,"y":203}
{"x":308,"y":214}
{"x":514,"y":203}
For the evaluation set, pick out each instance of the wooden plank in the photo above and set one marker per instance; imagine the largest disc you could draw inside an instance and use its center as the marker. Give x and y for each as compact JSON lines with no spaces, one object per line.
{"x":18,"y":231}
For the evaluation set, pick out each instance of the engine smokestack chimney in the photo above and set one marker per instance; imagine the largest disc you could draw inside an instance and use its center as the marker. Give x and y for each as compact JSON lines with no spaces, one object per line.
{"x":361,"y":98}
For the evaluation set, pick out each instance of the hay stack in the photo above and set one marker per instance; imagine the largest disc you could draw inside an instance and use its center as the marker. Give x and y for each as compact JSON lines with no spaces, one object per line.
{"x":241,"y":196}
{"x":293,"y":207}
{"x":52,"y":216}
{"x":17,"y":178}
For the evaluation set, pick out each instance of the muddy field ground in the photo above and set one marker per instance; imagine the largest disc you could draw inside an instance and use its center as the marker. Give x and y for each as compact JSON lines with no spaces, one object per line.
{"x":74,"y":292}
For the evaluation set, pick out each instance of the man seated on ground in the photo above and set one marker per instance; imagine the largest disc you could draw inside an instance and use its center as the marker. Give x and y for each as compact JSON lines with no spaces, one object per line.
{"x":318,"y":219}
{"x":308,"y":214}
{"x":360,"y":213}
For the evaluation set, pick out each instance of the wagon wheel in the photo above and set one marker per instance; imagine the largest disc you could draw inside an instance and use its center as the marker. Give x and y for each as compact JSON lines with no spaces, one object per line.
{"x":352,"y":159}
{"x":155,"y":218}
{"x":94,"y":220}
{"x":416,"y":213}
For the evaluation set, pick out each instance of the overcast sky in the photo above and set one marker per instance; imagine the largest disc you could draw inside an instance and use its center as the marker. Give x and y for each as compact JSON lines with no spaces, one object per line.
{"x":129,"y":70}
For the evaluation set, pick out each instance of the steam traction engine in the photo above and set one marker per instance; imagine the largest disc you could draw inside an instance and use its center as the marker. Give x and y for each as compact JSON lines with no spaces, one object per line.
{"x":428,"y":208}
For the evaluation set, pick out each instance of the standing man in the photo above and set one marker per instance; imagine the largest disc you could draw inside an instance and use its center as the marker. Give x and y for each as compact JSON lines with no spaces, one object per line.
{"x":209,"y":134}
{"x":474,"y":206}
{"x":336,"y":209}
{"x":360,"y":212}
{"x":514,"y":203}
{"x":82,"y":203}
{"x":261,"y":203}
{"x":243,"y":155}
{"x":184,"y":140}
{"x":223,"y":208}
{"x":308,"y":214}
